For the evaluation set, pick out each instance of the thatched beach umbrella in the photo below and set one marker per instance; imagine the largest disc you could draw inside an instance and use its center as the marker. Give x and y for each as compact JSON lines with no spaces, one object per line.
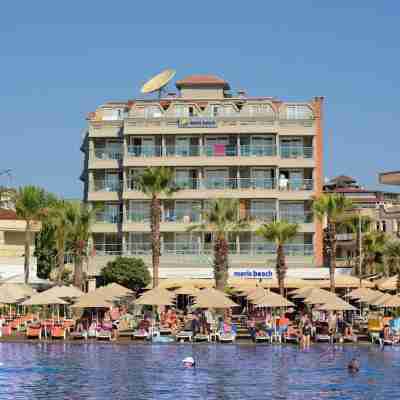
{"x":154,"y":299}
{"x":43,"y":299}
{"x":93,"y":300}
{"x":64,"y":292}
{"x":308,"y":292}
{"x":320,"y":297}
{"x":389,"y":283}
{"x":393,"y":302}
{"x":272,"y":300}
{"x":336,"y":304}
{"x":362,"y":293}
{"x":380,"y":299}
{"x":187,"y":290}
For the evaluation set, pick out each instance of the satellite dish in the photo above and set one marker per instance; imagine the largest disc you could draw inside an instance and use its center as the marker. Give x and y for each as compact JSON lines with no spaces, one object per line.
{"x":158,"y":82}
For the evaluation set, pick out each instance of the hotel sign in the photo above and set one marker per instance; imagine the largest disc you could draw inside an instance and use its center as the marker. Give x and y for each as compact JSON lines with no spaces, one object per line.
{"x":253,"y":274}
{"x":197,"y":122}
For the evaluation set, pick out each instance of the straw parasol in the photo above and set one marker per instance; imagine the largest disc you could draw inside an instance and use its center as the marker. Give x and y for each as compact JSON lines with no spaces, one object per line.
{"x":336,"y":304}
{"x":115,"y":291}
{"x":307,"y":292}
{"x":43,"y":299}
{"x":16,"y":291}
{"x":8,"y":296}
{"x":211,"y":298}
{"x":363,"y":292}
{"x":344,"y":281}
{"x":65,"y":292}
{"x":289,"y":283}
{"x":177,"y":283}
{"x":389,"y":283}
{"x":272,"y":300}
{"x":378,"y":301}
{"x":256,"y":293}
{"x":186,"y":290}
{"x":154,"y":299}
{"x":320,"y":297}
{"x":93,"y":300}
{"x":393,"y":302}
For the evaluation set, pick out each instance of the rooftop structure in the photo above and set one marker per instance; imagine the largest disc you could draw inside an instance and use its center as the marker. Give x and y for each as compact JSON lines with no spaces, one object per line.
{"x":265,"y":152}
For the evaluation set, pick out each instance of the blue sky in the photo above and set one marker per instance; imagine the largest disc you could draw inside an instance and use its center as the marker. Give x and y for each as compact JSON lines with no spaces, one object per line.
{"x":60,"y":60}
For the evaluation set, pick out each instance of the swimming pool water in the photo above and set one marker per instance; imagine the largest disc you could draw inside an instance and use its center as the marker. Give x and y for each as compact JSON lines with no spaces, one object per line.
{"x":120,"y":371}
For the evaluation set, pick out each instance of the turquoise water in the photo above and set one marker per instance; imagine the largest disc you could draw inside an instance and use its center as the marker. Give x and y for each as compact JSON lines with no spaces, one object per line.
{"x":112,"y":371}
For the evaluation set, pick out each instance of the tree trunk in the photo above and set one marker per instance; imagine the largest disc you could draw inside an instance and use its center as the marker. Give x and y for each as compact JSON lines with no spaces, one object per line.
{"x":221,"y":251}
{"x":60,"y":264}
{"x":281,"y":268}
{"x":78,"y":271}
{"x":398,"y":281}
{"x":155,"y":237}
{"x":332,"y":261}
{"x":27,"y":253}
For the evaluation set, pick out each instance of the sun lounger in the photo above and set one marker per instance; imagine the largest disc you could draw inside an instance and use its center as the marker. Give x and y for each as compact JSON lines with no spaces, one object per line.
{"x":140,"y":335}
{"x":78,"y":335}
{"x":184,"y":336}
{"x":104,"y":335}
{"x":57,"y":332}
{"x":162,"y":339}
{"x":322,"y":337}
{"x":34,"y":332}
{"x":291,"y":338}
{"x":199,"y":337}
{"x":226,"y":338}
{"x":165,"y":331}
{"x":263,"y":337}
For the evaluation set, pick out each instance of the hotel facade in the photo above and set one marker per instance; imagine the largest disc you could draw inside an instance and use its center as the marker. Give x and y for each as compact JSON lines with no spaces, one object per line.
{"x":265,"y":152}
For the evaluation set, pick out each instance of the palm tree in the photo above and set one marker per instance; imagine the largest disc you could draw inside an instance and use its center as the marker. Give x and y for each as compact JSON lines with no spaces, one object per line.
{"x":58,"y":217}
{"x":373,"y":247}
{"x":31,"y":204}
{"x":391,"y":254}
{"x":356,"y":224}
{"x":80,"y":218}
{"x":154,"y":182}
{"x":221,"y":218}
{"x":279,"y":232}
{"x":332,"y":207}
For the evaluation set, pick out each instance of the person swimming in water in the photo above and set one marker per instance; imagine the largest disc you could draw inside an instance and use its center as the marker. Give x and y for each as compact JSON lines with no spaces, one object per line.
{"x":189,"y":362}
{"x":354,"y":365}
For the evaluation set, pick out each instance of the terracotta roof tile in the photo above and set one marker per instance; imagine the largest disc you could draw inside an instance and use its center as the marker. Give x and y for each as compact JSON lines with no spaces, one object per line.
{"x":8,"y":214}
{"x":202,"y":80}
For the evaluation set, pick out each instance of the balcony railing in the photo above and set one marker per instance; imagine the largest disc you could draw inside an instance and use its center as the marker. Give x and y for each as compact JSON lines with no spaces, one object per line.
{"x":217,"y":150}
{"x":187,"y":216}
{"x":104,"y":154}
{"x":296,"y":152}
{"x":106,"y":185}
{"x":196,"y":248}
{"x":138,"y":217}
{"x":296,"y":217}
{"x":234,"y":183}
{"x":345,"y":236}
{"x":108,"y":218}
{"x":261,"y":215}
{"x":257,"y":151}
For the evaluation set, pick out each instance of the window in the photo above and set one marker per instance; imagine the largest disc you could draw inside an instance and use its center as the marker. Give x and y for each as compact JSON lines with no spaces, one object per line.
{"x":297,"y":111}
{"x":259,"y":109}
{"x":152,"y":112}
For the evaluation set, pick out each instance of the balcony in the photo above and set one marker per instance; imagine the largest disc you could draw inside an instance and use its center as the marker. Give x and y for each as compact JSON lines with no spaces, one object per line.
{"x":108,"y":218}
{"x":217,"y":150}
{"x":105,"y":154}
{"x":296,"y":217}
{"x":293,"y":185}
{"x":197,"y":248}
{"x":261,"y":215}
{"x":106,"y":185}
{"x":296,"y":152}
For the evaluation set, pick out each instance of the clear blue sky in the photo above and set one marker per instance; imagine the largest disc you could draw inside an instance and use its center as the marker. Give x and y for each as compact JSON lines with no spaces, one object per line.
{"x":60,"y":60}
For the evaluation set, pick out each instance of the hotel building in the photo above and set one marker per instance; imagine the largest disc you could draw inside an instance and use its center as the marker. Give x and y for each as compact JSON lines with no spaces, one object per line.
{"x":265,"y":152}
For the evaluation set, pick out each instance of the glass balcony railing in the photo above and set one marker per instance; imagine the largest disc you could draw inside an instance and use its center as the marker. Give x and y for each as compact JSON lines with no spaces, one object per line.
{"x":138,"y":217}
{"x":296,"y":152}
{"x":106,"y":185}
{"x":194,"y":247}
{"x":144,"y":151}
{"x":104,"y":154}
{"x":234,"y":183}
{"x":257,"y":151}
{"x":108,"y":218}
{"x":296,"y":217}
{"x":260,"y":215}
{"x":216,"y":150}
{"x":185,"y":216}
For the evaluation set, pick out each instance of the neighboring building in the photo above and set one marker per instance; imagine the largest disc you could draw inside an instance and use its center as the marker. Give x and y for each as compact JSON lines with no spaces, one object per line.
{"x":7,"y":198}
{"x":12,"y":250}
{"x":369,"y":203}
{"x":265,"y":152}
